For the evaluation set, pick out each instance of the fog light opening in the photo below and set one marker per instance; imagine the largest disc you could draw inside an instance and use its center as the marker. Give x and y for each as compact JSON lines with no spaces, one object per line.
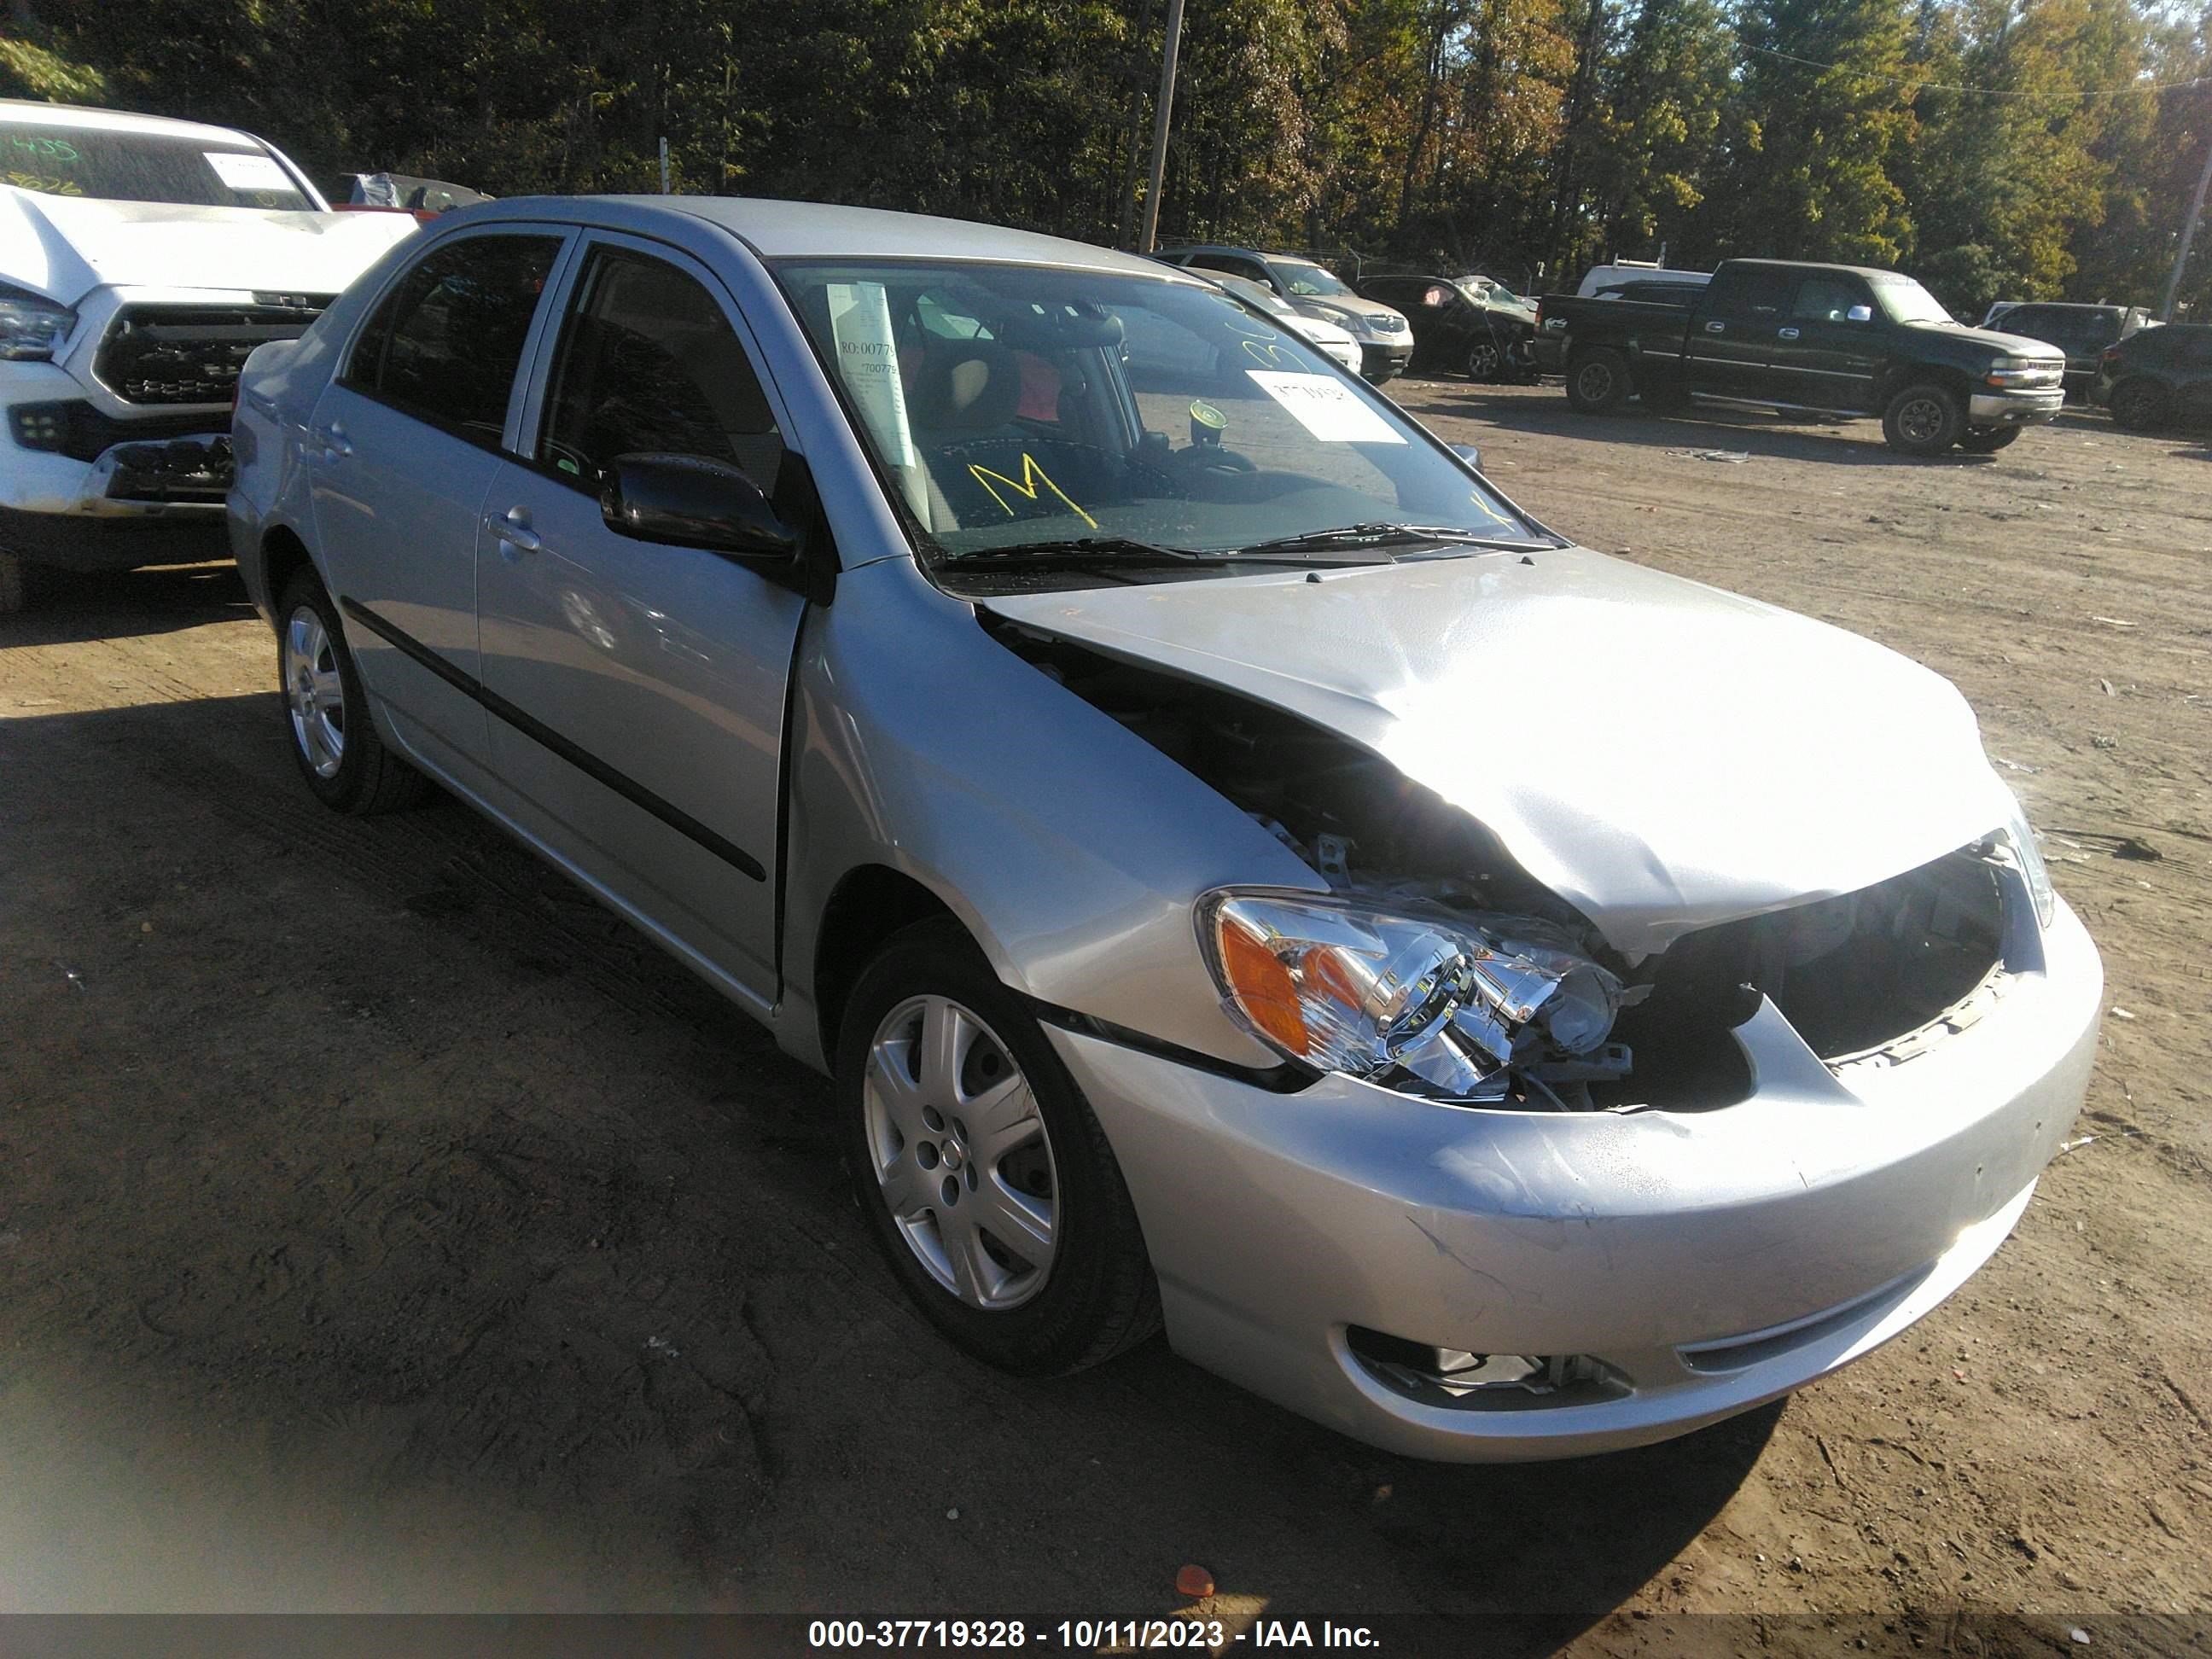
{"x":1463,"y":1380}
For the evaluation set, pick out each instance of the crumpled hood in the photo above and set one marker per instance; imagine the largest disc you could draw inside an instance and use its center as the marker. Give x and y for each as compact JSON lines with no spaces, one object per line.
{"x":64,"y":247}
{"x":1660,"y":754}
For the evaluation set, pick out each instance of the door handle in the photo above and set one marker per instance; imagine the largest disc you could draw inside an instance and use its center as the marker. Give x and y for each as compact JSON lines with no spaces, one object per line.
{"x":334,"y":441}
{"x":1785,"y":333}
{"x":513,"y":529}
{"x":1716,"y":328}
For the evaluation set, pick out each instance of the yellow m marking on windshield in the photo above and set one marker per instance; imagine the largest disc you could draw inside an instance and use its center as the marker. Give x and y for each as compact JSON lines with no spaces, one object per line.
{"x":1033,"y":479}
{"x":1270,"y":355}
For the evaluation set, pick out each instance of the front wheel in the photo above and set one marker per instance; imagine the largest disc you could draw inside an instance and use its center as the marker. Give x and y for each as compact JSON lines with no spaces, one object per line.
{"x":2139,"y":405}
{"x":1483,"y":361}
{"x":1598,"y":381}
{"x":1924,"y":419}
{"x":326,"y":716}
{"x":1987,"y":440}
{"x":986,"y":1182}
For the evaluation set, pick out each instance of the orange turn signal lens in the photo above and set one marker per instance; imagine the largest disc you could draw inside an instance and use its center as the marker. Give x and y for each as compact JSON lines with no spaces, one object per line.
{"x":1261,"y":983}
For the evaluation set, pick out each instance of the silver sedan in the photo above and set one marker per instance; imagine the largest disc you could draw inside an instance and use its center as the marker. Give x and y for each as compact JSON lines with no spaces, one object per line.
{"x":1241,"y":872}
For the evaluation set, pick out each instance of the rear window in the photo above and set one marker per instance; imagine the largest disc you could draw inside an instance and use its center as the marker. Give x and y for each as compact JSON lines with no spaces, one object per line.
{"x":145,"y":167}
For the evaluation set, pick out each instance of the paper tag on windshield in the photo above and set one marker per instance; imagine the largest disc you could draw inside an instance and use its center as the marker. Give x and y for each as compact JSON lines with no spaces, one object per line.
{"x":247,"y":172}
{"x":867,"y":358}
{"x":1326,"y":407}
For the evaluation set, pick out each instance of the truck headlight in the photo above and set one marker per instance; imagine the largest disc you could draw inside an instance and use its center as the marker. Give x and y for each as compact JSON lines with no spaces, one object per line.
{"x":32,"y":325}
{"x":1448,"y":1002}
{"x":2032,"y":867}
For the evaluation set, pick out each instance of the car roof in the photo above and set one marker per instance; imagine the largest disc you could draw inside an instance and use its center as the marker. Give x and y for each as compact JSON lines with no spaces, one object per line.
{"x":31,"y":113}
{"x":1238,"y":247}
{"x":1872,"y":273}
{"x":819,"y":230}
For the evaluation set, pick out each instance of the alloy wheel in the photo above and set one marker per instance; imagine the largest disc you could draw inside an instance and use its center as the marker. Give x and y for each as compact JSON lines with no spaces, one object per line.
{"x":960,"y":1153}
{"x":1482,"y":363}
{"x":314,"y":692}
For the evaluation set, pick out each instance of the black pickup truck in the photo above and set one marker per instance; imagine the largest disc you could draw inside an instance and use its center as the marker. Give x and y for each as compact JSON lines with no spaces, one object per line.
{"x":1827,"y":339}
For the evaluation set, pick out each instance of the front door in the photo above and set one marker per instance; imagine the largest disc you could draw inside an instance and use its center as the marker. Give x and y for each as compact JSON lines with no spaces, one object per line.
{"x":404,"y":444}
{"x":1825,"y":350}
{"x":638,"y":688}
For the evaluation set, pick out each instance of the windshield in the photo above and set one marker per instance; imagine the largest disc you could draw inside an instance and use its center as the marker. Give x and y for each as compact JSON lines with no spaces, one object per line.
{"x":1302,"y":276}
{"x":1012,"y":405}
{"x":1258,"y":293}
{"x":1906,"y":302}
{"x":143,"y":166}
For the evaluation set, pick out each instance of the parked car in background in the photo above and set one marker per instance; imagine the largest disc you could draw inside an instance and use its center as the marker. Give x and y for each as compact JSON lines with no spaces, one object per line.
{"x":141,"y":260}
{"x":1071,"y":735}
{"x":1832,"y":339}
{"x":1386,"y":338}
{"x":2157,"y":376}
{"x":1483,"y":333}
{"x":402,"y":192}
{"x":1635,"y":270}
{"x":2082,"y":331}
{"x":1334,"y":344}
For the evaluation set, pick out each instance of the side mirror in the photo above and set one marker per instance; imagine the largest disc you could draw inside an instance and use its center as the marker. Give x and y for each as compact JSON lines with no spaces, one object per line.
{"x":1859,"y":314}
{"x":1468,"y":453}
{"x":689,"y":501}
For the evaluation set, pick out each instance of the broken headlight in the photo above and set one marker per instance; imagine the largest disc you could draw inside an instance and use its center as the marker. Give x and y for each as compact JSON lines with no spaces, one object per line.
{"x":1450,"y":1003}
{"x":31,"y":324}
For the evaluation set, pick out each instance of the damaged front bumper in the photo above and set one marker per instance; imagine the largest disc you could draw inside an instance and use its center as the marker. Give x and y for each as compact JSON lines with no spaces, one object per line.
{"x":1630,"y":1275}
{"x":153,"y":501}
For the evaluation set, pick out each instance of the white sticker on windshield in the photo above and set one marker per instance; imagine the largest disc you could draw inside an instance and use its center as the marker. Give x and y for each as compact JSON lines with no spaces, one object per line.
{"x":867,"y":358}
{"x":1326,"y":407}
{"x":240,"y":172}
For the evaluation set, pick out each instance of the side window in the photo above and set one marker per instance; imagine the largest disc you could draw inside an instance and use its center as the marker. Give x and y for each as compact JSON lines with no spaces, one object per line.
{"x":649,"y":365}
{"x":446,"y":341}
{"x":1754,"y":295}
{"x":1825,"y":300}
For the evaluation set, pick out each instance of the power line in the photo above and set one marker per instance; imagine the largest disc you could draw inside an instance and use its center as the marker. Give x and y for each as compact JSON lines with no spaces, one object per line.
{"x":1985,"y":92}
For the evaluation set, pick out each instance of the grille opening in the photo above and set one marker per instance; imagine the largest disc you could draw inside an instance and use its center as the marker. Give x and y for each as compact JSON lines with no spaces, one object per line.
{"x":190,"y":354}
{"x":1471,"y":1382}
{"x":1849,"y":974}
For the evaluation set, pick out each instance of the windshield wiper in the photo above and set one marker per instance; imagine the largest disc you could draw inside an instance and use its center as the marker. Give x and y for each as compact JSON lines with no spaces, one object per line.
{"x":1117,"y":551}
{"x":1377,"y":535}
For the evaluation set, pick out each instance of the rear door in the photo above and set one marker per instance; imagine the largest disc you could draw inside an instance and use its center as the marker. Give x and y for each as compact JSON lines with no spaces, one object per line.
{"x":637,"y":688}
{"x":1732,"y":332}
{"x":403,"y":446}
{"x":1826,"y":349}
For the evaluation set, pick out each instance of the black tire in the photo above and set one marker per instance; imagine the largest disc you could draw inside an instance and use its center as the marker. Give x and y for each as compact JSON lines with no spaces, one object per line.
{"x":2139,"y":405}
{"x":1987,"y":440}
{"x":366,"y":777}
{"x":1598,"y":381}
{"x":1483,"y":361}
{"x":1098,"y":1296}
{"x":1924,"y":419}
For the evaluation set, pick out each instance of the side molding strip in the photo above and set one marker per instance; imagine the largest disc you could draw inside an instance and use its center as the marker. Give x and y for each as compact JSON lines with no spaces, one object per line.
{"x":585,"y":761}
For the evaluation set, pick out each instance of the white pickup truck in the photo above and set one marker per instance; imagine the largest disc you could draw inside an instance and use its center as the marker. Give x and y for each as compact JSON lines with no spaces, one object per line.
{"x":141,"y":260}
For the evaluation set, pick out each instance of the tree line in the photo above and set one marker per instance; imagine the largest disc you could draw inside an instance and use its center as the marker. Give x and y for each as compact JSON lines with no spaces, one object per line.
{"x":1998,"y":148}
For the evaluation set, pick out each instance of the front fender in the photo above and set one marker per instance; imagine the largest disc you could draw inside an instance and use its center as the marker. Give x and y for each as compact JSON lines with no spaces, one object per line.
{"x":1070,"y":848}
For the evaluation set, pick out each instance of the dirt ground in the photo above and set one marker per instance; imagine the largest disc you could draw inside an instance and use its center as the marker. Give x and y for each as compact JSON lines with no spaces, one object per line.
{"x":383,"y":1225}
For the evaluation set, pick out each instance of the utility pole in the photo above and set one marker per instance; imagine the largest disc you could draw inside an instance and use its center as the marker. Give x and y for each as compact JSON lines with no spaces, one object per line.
{"x":1162,"y":110}
{"x":2188,"y":235}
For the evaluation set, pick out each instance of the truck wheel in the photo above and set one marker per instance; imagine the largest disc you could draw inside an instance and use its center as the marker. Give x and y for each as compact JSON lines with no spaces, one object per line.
{"x":2139,"y":404}
{"x":986,"y":1181}
{"x":1987,"y":440}
{"x":326,"y":716}
{"x":1924,"y":419}
{"x":1598,"y":381}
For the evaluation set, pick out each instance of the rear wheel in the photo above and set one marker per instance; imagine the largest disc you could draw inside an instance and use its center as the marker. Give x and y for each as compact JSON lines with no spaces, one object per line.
{"x":2138,"y":405}
{"x":326,"y":716}
{"x":1924,"y":419}
{"x":986,"y":1182}
{"x":1987,"y":440}
{"x":1598,"y":381}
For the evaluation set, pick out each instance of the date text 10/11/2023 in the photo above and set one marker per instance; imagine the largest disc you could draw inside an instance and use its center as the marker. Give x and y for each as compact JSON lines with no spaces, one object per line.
{"x":1086,"y":1635}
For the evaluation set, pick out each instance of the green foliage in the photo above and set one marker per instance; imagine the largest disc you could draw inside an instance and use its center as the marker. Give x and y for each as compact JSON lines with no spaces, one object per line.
{"x":1505,"y":135}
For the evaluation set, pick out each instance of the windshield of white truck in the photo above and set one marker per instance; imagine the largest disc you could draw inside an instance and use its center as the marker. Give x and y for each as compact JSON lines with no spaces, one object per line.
{"x":143,"y":166}
{"x":1011,"y":405}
